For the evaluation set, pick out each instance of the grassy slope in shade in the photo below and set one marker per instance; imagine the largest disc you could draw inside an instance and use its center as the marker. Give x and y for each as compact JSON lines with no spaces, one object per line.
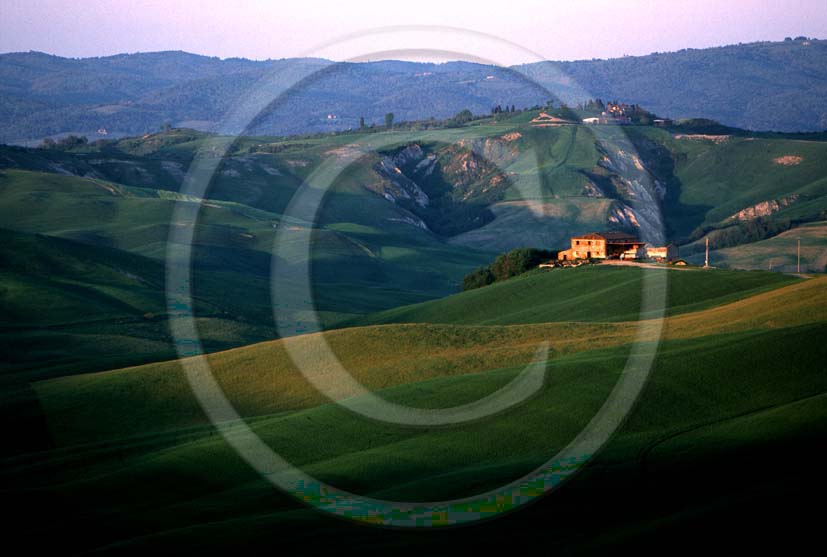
{"x":69,"y":307}
{"x":583,"y":294}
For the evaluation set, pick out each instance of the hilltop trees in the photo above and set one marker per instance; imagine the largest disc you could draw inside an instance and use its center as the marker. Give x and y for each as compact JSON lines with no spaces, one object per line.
{"x":594,"y":105}
{"x":499,"y":109}
{"x":507,"y":265}
{"x":68,"y":142}
{"x":567,"y":113}
{"x":479,"y":278}
{"x":463,"y":117}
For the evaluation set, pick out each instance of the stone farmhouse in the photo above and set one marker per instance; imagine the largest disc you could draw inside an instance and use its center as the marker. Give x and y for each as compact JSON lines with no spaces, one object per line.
{"x":614,"y":245}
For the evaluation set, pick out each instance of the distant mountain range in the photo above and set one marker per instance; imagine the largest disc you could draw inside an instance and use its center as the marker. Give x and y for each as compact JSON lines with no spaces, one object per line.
{"x":760,"y":86}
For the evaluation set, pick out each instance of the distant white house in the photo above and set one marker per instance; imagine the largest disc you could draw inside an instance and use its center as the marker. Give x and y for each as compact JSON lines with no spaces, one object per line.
{"x":606,"y":119}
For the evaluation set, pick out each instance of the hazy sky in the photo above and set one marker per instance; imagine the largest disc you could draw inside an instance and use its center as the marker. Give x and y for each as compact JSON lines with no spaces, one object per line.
{"x":557,"y":30}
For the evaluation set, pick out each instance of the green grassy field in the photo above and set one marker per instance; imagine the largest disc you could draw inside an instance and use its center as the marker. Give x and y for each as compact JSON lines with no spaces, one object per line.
{"x":742,"y":171}
{"x":738,"y":379}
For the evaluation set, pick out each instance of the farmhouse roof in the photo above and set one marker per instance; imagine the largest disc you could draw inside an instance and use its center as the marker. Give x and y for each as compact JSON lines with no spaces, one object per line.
{"x":611,"y":236}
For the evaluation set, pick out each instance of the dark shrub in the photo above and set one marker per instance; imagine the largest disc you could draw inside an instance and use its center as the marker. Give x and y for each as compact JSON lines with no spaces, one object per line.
{"x":507,"y":265}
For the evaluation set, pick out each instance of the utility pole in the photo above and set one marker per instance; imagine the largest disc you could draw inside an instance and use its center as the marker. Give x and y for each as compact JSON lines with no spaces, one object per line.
{"x":799,"y":255}
{"x":706,"y":257}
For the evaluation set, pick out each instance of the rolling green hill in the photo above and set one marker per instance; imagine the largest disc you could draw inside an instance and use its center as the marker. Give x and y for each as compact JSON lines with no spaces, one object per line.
{"x":120,"y":232}
{"x":728,"y":174}
{"x":584,"y":294}
{"x":693,"y":436}
{"x":262,"y":379}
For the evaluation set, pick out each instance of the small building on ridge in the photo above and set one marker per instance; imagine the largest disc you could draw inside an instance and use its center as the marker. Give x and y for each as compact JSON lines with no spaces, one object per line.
{"x":669,"y":252}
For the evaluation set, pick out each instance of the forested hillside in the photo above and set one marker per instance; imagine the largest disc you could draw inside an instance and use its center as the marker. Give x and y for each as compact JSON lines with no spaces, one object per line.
{"x":760,"y":86}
